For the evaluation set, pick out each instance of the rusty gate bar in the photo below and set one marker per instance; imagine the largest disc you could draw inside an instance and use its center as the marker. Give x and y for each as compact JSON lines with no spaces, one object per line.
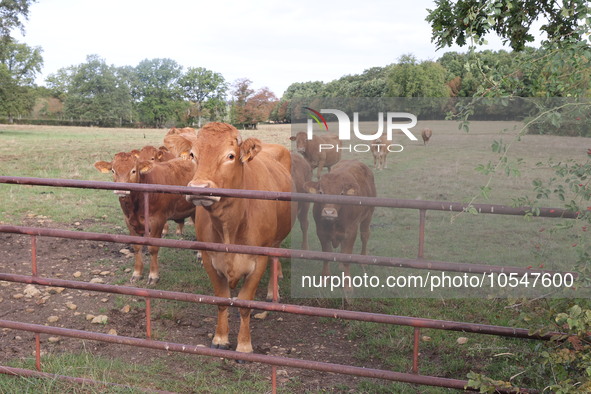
{"x":415,"y":350}
{"x":36,"y":374}
{"x":286,"y":196}
{"x":422,"y":217}
{"x":34,"y":255}
{"x":279,"y":252}
{"x":287,"y":308}
{"x":253,"y":357}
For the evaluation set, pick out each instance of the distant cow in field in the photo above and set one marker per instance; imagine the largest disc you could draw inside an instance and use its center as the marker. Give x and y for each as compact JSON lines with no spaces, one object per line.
{"x":338,"y":224}
{"x":379,"y":150}
{"x":426,"y":135}
{"x":301,"y":173}
{"x":125,"y":167}
{"x":224,"y":160}
{"x":320,"y":151}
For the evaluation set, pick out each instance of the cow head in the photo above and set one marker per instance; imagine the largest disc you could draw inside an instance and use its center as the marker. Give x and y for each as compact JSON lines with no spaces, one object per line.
{"x":126,"y":168}
{"x":332,"y":184}
{"x":220,"y":155}
{"x":300,"y":139}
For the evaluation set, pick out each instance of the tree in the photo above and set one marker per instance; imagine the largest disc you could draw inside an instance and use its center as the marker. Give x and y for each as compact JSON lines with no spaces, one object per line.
{"x":94,"y":91}
{"x":11,"y":12}
{"x":259,"y":106}
{"x":241,"y":92}
{"x":409,"y":78}
{"x":200,"y":85}
{"x":156,"y":90}
{"x":463,"y":20}
{"x":19,"y":64}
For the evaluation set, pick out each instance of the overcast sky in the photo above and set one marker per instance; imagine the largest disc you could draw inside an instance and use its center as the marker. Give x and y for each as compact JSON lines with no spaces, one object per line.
{"x":273,"y":43}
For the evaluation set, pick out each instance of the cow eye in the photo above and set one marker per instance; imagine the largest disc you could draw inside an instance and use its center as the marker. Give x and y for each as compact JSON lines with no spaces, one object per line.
{"x":192,"y":156}
{"x":231,"y":156}
{"x":113,"y":171}
{"x":133,"y":171}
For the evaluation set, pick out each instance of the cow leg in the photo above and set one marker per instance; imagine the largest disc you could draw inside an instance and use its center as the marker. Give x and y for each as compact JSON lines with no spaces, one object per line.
{"x":138,"y":266}
{"x":326,"y":247}
{"x":270,"y":285}
{"x":303,"y":208}
{"x":180,"y":226}
{"x":347,"y":247}
{"x":364,"y":230}
{"x":156,"y":228}
{"x":165,"y":229}
{"x":247,"y":292}
{"x":220,"y":289}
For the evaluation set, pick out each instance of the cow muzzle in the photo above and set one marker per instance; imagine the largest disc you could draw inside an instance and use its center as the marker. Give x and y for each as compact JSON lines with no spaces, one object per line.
{"x":202,"y":200}
{"x":330,"y":213}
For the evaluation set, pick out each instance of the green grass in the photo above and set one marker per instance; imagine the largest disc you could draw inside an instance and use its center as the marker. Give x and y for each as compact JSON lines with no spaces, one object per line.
{"x":134,"y":377}
{"x":444,"y":170}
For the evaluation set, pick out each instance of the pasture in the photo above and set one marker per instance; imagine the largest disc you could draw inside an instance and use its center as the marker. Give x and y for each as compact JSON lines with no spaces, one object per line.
{"x":444,"y":171}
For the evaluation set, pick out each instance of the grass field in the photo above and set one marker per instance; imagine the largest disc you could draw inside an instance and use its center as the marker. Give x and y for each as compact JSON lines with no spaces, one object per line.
{"x":443,"y":171}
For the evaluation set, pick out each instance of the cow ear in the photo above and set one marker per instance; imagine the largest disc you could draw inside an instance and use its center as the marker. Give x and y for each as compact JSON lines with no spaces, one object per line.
{"x":179,"y":143}
{"x":311,"y":187}
{"x":159,"y":155}
{"x":103,"y":166}
{"x":145,"y":167}
{"x":249,"y":148}
{"x":351,"y":191}
{"x":135,"y":153}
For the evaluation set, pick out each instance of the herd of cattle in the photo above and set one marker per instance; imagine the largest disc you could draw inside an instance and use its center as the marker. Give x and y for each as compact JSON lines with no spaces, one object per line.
{"x":216,"y":156}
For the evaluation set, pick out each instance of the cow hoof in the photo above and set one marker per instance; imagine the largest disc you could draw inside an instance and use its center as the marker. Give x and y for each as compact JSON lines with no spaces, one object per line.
{"x":241,"y":362}
{"x":221,"y":347}
{"x":135,"y":278}
{"x":152,"y":281}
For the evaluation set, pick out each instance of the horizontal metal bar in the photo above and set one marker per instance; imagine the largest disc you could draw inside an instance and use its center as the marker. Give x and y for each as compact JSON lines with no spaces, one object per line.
{"x":287,"y":308}
{"x":285,"y":196}
{"x":278,"y":252}
{"x":37,"y":374}
{"x":250,"y":357}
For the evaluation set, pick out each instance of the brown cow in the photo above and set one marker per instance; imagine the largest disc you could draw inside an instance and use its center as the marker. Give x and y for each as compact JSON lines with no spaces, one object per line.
{"x":151,"y":153}
{"x":301,"y":172}
{"x":426,"y":135}
{"x":338,"y":224}
{"x":162,"y":206}
{"x":224,"y":160}
{"x":379,"y":150}
{"x":176,"y":130}
{"x":328,"y":156}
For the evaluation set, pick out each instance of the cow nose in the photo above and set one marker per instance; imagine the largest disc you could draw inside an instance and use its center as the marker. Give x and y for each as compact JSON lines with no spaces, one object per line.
{"x":202,"y":200}
{"x":199,"y":183}
{"x":330,"y":213}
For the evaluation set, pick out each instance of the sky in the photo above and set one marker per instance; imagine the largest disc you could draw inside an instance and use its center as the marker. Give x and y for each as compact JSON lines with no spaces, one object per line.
{"x":272,"y":43}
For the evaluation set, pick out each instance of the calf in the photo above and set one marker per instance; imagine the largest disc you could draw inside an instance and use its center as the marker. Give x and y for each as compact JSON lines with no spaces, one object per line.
{"x":379,"y":150}
{"x":224,"y":160}
{"x":125,"y":167}
{"x":338,"y":224}
{"x":426,"y":135}
{"x":320,"y":151}
{"x":301,"y":172}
